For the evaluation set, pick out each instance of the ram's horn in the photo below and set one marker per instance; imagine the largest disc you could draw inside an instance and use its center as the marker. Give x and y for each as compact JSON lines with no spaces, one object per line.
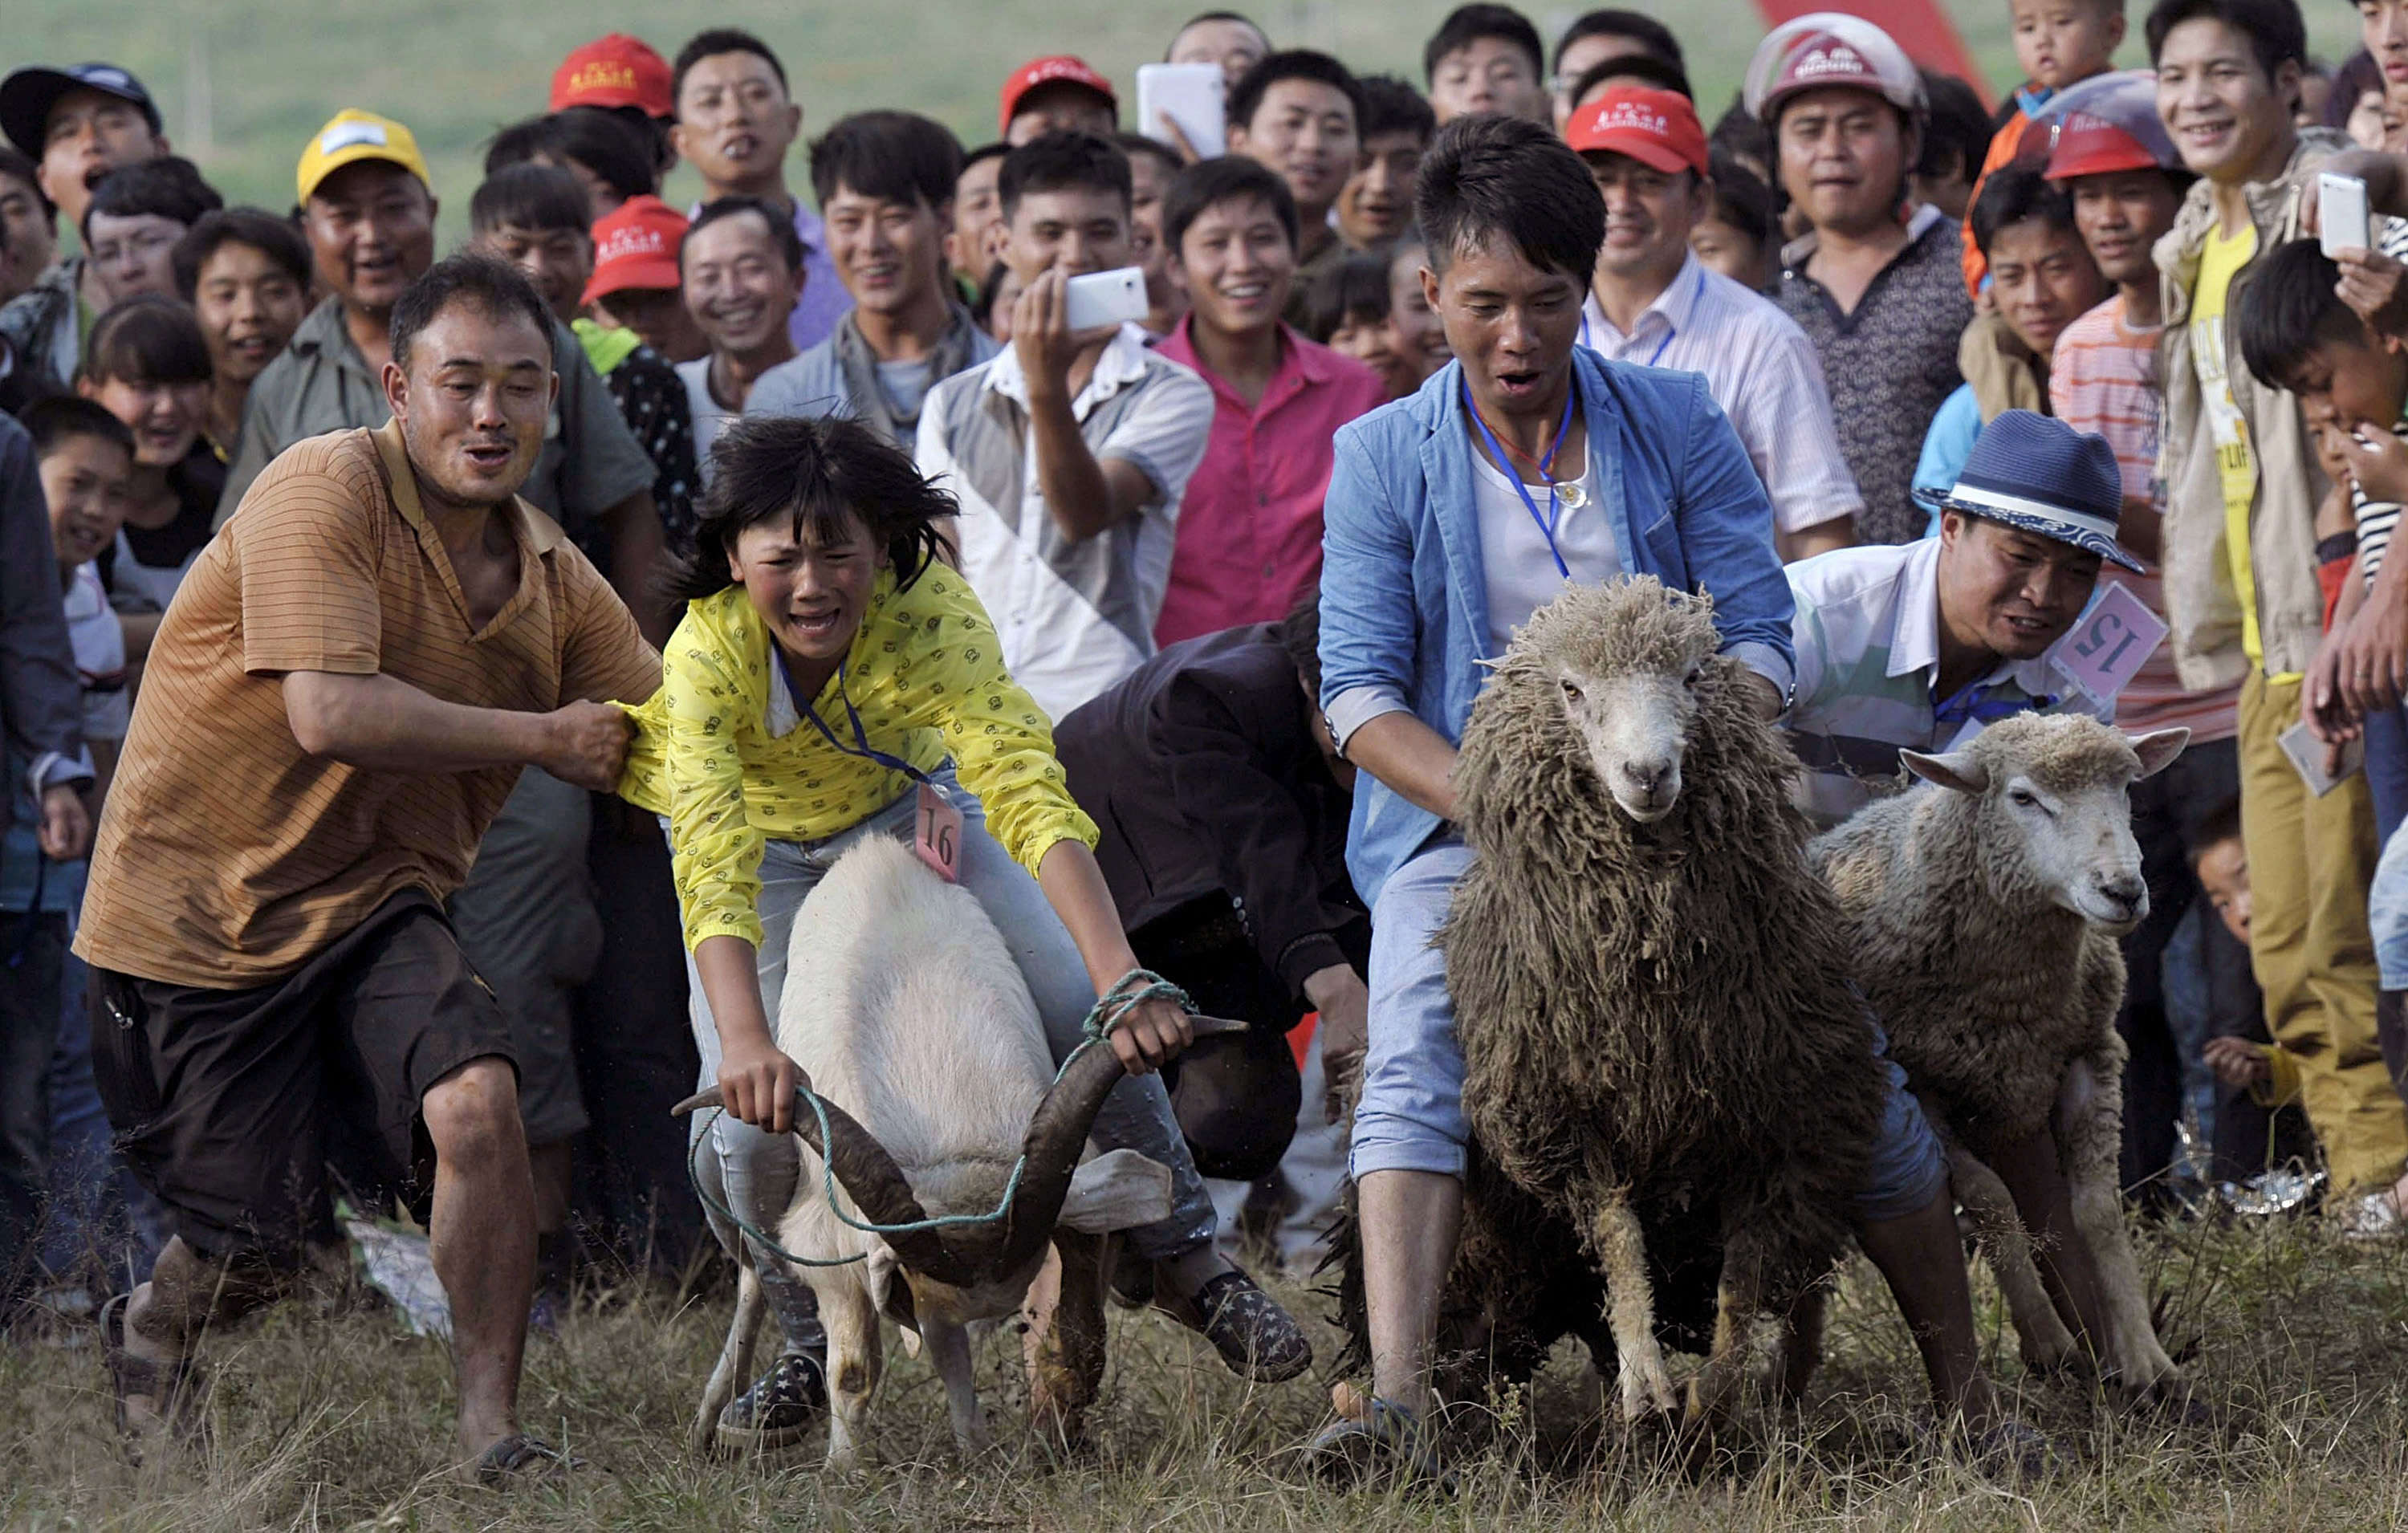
{"x":877,"y":1189}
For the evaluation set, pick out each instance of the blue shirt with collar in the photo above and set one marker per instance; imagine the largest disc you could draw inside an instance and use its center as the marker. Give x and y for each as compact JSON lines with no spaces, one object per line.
{"x":1403,"y":598}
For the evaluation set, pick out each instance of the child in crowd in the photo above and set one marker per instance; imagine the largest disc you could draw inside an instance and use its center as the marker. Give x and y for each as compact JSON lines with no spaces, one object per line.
{"x":1413,"y":330}
{"x":85,"y":458}
{"x":1956,"y":141}
{"x":2057,"y":42}
{"x":2043,"y":279}
{"x":2356,"y":103}
{"x":1737,"y":236}
{"x":147,"y":363}
{"x":1346,"y":310}
{"x":539,"y":219}
{"x":635,"y":285}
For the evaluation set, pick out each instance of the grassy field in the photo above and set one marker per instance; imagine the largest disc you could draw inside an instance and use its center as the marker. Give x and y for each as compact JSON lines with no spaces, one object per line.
{"x":324,"y":1416}
{"x":244,"y":82}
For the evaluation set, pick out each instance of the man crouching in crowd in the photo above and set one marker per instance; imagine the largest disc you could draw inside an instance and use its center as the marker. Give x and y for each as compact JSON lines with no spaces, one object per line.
{"x":333,"y":711}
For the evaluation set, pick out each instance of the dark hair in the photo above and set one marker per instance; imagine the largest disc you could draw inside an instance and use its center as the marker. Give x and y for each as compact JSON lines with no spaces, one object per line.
{"x":18,"y":166}
{"x":1203,"y":16}
{"x":1352,"y":291}
{"x":2357,"y":74}
{"x":263,"y":232}
{"x":2288,"y":309}
{"x":147,"y":338}
{"x":2015,"y":192}
{"x":2277,"y":33}
{"x":168,"y":187}
{"x":1466,"y":24}
{"x":984,"y":152}
{"x":54,"y":418}
{"x":890,"y":156}
{"x":613,"y":149}
{"x":1741,"y":199}
{"x":1225,"y":178}
{"x":1656,"y":73}
{"x":712,"y":42}
{"x":1137,"y":144}
{"x":1651,"y":35}
{"x":1246,"y":96}
{"x":982,"y":305}
{"x":1391,"y":104}
{"x":2219,"y":823}
{"x":1064,"y":160}
{"x":1299,"y":635}
{"x":1487,"y":175}
{"x":1955,"y":128}
{"x":781,"y":228}
{"x":815,"y":475}
{"x":531,"y":196}
{"x":485,"y":282}
{"x":1739,"y":133}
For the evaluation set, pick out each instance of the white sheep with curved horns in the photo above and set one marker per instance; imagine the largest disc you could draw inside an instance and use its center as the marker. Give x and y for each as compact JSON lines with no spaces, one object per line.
{"x":906,"y":1010}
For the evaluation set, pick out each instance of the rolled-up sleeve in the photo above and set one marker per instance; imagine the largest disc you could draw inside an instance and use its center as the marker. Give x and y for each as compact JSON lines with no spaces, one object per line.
{"x":1369,"y":625}
{"x":1727,"y":537}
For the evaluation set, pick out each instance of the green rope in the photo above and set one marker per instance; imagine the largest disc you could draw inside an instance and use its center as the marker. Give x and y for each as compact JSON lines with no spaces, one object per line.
{"x":1111,"y":1009}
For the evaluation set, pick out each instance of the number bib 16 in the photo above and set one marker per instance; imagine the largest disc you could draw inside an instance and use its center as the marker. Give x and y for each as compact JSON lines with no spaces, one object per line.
{"x":936,"y":833}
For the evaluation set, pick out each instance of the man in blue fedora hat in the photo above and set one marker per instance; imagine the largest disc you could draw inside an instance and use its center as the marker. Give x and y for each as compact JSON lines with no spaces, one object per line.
{"x":1918,"y":646}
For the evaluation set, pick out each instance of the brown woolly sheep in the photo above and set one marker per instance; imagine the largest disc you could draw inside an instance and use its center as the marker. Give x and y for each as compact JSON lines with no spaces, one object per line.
{"x":1986,"y":905}
{"x":1666,"y":1064}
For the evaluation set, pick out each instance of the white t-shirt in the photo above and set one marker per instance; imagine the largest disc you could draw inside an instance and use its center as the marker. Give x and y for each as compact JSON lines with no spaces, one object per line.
{"x":99,"y":645}
{"x":1518,"y":569}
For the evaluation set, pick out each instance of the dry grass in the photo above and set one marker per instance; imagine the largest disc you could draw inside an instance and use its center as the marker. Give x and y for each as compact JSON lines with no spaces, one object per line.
{"x":323,"y":1417}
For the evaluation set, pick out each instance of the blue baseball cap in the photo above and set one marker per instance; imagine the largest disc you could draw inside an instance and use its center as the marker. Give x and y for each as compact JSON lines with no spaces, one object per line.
{"x":27,"y":96}
{"x":2038,"y":475}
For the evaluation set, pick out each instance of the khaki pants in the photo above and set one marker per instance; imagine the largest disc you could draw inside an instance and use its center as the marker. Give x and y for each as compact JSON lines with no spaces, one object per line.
{"x":2310,"y":862}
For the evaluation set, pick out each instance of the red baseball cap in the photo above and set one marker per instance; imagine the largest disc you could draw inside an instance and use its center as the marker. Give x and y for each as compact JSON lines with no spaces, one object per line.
{"x":1656,"y":128}
{"x":615,"y":70}
{"x":1060,"y":69}
{"x":636,"y":247}
{"x":2106,"y":123}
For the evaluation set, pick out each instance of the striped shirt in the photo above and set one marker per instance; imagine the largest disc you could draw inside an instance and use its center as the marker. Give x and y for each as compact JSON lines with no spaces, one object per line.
{"x":2103,"y":378}
{"x":1762,"y":371}
{"x":1868,"y":637}
{"x":1074,"y":616}
{"x":229,"y":857}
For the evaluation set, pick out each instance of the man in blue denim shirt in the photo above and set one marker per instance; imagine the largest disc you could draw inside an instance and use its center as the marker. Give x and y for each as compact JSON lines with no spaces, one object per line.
{"x":1450,"y":516}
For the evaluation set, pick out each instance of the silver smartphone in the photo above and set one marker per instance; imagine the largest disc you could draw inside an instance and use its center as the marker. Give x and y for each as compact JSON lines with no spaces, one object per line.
{"x":2307,"y":753}
{"x":1100,"y":299}
{"x":2341,"y":213}
{"x":1191,"y":95}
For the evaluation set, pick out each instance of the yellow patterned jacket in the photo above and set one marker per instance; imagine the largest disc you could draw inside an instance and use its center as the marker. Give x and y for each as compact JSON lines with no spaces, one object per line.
{"x":724,"y":753}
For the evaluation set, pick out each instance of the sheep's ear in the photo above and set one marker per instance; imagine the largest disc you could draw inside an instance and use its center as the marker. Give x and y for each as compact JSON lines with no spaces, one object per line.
{"x":2159,"y":748}
{"x":892,"y":1293}
{"x":1119,"y":1190}
{"x":1957,"y":769}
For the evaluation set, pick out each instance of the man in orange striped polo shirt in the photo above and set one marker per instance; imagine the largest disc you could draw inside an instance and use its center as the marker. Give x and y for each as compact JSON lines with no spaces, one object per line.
{"x":351,"y":677}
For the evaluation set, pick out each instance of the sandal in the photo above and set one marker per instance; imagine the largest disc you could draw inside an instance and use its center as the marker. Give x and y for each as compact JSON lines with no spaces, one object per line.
{"x":1385,"y":1445}
{"x":520,"y":1459}
{"x":1259,"y":1339}
{"x":174,"y":1388}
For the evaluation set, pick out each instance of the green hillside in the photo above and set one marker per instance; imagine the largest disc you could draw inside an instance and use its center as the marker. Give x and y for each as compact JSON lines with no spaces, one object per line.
{"x":243,"y":82}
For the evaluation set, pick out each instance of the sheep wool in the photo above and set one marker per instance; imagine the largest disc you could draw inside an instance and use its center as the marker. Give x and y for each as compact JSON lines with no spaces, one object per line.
{"x":1655,"y":1017}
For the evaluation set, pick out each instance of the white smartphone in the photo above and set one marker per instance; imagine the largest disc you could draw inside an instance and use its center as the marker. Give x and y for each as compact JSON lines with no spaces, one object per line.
{"x":2307,"y":754}
{"x":1192,"y":95}
{"x":2341,"y":213}
{"x":1104,"y":297}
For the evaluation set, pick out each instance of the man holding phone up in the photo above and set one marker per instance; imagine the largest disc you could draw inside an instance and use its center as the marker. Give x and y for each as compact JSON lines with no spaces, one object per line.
{"x":1070,"y":450}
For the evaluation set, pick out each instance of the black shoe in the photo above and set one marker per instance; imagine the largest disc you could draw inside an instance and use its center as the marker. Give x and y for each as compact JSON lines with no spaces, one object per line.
{"x":777,"y":1410}
{"x":1254,"y":1335}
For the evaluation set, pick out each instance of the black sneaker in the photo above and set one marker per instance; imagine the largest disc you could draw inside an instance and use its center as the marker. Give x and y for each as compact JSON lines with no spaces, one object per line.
{"x":777,"y":1410}
{"x":1254,"y":1336}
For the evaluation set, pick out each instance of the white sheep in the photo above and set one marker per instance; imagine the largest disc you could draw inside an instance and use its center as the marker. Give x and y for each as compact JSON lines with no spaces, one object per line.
{"x":1987,"y":904}
{"x":902,"y":1003}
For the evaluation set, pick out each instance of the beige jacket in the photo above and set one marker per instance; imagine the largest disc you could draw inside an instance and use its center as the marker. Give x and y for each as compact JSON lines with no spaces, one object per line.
{"x":2003,"y":371}
{"x":2200,"y":599}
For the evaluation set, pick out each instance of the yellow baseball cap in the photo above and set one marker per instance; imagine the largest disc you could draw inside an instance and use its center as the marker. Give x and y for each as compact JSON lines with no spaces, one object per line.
{"x":353,"y":136}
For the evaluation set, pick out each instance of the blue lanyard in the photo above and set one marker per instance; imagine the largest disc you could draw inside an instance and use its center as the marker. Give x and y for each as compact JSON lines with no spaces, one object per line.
{"x":861,"y":746}
{"x":1976,"y":705}
{"x":1546,"y":465}
{"x":1670,"y":331}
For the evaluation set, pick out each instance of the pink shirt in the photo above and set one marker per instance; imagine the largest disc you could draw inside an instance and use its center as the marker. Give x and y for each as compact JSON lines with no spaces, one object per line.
{"x":1249,"y":538}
